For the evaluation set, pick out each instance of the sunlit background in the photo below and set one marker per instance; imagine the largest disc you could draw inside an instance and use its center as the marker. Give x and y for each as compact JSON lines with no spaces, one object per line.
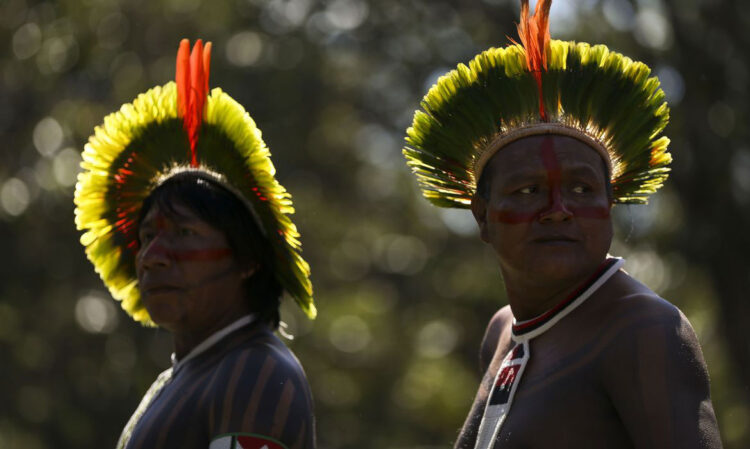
{"x":404,"y":290}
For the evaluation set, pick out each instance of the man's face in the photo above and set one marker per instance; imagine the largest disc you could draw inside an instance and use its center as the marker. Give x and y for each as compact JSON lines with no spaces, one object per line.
{"x":187,"y":275}
{"x":547,"y":212}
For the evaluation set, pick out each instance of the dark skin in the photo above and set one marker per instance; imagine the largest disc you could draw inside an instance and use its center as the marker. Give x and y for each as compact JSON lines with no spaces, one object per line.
{"x":192,"y":285}
{"x":189,"y":280}
{"x":625,"y":368}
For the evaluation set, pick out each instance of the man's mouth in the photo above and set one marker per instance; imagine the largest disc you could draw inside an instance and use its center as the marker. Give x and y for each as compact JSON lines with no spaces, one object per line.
{"x":556,"y":239}
{"x":159,"y":289}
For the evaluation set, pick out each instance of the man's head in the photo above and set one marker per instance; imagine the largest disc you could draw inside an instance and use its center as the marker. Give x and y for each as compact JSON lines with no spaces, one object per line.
{"x":543,"y":204}
{"x":200,"y":236}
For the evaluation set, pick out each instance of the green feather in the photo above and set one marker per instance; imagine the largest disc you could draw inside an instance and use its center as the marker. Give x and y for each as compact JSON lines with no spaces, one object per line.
{"x":145,"y":141}
{"x":602,"y":93}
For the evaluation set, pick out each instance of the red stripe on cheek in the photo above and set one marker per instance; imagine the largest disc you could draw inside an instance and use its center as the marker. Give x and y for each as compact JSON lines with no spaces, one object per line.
{"x":504,"y":216}
{"x":202,"y":254}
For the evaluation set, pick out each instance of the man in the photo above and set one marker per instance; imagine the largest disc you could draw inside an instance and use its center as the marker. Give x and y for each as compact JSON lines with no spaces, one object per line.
{"x":187,"y":226}
{"x":583,"y":355}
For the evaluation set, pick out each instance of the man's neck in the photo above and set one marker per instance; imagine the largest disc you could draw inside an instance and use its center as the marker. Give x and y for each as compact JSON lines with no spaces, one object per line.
{"x":187,"y":339}
{"x":530,"y":296}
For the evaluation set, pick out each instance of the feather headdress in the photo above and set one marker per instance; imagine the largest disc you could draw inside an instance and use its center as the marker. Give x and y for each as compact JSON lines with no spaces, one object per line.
{"x":162,"y":132}
{"x":540,"y":86}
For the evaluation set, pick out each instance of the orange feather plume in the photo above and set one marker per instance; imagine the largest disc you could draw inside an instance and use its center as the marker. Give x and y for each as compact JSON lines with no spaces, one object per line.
{"x":192,"y":88}
{"x":534,"y":34}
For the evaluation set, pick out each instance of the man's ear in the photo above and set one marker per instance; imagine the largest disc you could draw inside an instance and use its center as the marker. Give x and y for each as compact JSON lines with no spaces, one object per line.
{"x":479,"y":210}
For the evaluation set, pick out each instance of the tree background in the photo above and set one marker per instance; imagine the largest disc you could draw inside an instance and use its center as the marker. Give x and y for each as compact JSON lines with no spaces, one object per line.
{"x":404,"y":289}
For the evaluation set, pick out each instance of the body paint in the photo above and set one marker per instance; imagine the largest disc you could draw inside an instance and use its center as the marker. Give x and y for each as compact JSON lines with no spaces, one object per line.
{"x":204,"y":254}
{"x":162,"y":224}
{"x":201,"y":254}
{"x":555,"y":201}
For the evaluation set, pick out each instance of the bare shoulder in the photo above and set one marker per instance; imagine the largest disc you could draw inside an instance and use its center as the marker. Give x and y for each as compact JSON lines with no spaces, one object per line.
{"x":653,"y":370}
{"x":499,"y":324}
{"x":633,"y":314}
{"x":634,"y":307}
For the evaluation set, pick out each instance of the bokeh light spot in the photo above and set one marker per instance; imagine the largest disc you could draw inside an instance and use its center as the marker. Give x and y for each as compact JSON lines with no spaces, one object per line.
{"x":652,"y":29}
{"x":244,"y":48}
{"x":15,"y":196}
{"x":58,"y":55}
{"x":347,"y":14}
{"x":65,"y":166}
{"x":401,"y":254}
{"x":436,"y":339}
{"x":27,"y":41}
{"x":646,"y":266}
{"x":47,"y":136}
{"x":96,"y":314}
{"x":619,"y":14}
{"x":459,"y":221}
{"x":349,"y":333}
{"x":672,"y":83}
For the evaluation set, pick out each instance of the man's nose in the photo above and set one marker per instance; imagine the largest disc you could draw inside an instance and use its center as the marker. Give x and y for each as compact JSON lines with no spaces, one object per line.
{"x":154,"y":254}
{"x":556,"y":209}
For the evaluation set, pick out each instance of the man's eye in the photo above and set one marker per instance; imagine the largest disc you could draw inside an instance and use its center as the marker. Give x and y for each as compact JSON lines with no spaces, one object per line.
{"x":527,"y":190}
{"x":185,"y":232}
{"x":581,"y":188}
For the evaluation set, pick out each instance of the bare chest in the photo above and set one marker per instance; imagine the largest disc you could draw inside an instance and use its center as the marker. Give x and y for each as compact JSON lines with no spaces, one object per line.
{"x":560,"y":403}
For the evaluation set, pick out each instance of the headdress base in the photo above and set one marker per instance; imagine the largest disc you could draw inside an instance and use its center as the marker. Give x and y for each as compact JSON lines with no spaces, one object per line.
{"x":537,"y":129}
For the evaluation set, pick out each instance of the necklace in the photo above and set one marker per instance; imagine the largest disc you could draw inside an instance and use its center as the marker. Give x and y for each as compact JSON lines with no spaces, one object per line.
{"x":509,"y":375}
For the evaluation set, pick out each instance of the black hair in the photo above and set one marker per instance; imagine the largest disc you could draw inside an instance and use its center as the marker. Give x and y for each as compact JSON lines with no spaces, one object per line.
{"x":224,"y":210}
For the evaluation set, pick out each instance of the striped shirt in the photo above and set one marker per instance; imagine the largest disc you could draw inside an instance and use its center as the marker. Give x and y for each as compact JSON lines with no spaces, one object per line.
{"x":248,"y":383}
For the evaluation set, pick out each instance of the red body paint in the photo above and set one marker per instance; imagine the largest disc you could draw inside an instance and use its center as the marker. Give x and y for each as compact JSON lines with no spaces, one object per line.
{"x":201,"y":254}
{"x":512,"y":217}
{"x":206,"y":254}
{"x":554,"y":179}
{"x":555,"y":203}
{"x":162,"y":224}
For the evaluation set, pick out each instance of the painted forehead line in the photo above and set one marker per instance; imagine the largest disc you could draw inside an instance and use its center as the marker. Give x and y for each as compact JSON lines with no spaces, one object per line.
{"x":551,"y":155}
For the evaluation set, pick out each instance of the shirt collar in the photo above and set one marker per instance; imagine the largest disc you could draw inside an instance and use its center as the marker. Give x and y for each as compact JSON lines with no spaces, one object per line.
{"x":210,"y":341}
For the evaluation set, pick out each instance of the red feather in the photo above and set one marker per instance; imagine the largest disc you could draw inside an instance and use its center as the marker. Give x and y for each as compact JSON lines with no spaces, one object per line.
{"x":182,"y":76}
{"x":207,"y":62}
{"x":534,"y":34}
{"x":192,"y":88}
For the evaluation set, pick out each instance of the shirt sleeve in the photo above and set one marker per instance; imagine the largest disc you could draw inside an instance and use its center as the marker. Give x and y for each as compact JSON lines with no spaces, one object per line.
{"x":262,"y":401}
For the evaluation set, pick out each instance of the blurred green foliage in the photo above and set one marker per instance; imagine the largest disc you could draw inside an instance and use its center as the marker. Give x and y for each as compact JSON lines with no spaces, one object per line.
{"x":404,"y":290}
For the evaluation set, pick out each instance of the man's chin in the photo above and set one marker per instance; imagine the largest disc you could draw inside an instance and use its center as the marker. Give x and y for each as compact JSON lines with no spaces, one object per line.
{"x":165,"y":316}
{"x":561,"y":266}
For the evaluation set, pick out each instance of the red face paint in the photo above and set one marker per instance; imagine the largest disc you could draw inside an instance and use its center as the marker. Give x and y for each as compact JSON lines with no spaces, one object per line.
{"x":555,"y":203}
{"x":201,"y":254}
{"x":552,"y":166}
{"x":162,"y":224}
{"x":508,"y":217}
